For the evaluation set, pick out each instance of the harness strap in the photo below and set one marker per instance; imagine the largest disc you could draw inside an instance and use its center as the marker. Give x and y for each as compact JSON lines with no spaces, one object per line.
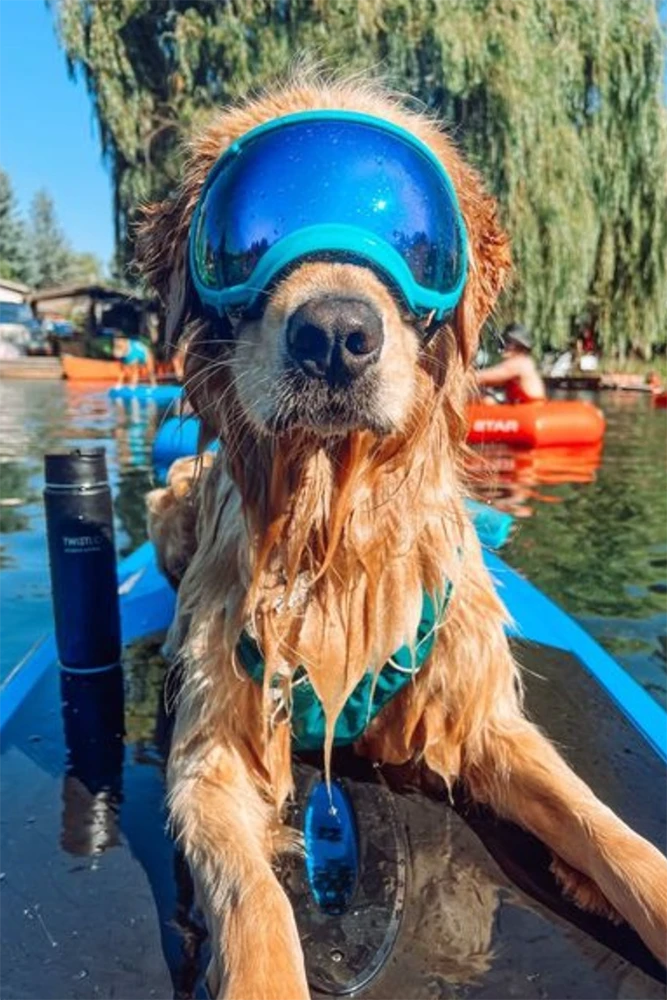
{"x":369,"y":696}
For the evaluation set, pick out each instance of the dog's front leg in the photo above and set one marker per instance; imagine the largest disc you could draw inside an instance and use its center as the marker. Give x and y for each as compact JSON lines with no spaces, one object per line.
{"x":225,"y":828}
{"x":520,"y":774}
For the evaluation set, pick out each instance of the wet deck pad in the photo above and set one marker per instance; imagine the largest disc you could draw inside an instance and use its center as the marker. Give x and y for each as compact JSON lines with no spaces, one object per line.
{"x":449,"y":901}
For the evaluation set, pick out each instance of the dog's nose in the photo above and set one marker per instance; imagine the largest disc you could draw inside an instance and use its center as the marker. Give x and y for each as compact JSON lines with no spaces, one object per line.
{"x":335,"y":338}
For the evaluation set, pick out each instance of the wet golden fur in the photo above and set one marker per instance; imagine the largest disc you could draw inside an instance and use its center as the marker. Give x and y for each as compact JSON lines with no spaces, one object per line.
{"x":321,"y":540}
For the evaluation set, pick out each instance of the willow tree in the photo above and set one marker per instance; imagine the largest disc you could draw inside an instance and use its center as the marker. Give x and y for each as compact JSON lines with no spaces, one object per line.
{"x":558,"y":103}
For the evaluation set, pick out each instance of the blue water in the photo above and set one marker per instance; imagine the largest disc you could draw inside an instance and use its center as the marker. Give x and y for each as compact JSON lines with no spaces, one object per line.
{"x":36,"y":417}
{"x":591,"y":530}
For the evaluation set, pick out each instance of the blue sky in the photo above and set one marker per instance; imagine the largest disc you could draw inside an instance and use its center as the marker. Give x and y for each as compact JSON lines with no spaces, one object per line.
{"x":48,"y":136}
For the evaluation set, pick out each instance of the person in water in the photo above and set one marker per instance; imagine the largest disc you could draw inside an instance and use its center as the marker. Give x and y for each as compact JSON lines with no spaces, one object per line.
{"x":133,"y":356}
{"x":517,"y":373}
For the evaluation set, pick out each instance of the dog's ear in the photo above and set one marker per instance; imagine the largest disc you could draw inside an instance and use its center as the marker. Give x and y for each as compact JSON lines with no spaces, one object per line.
{"x":161,"y":256}
{"x":489,"y":262}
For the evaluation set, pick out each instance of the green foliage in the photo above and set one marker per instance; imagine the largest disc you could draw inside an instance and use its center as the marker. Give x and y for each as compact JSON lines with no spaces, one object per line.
{"x":86,"y":268}
{"x":15,"y":263}
{"x":51,"y":253}
{"x":38,"y":254}
{"x":558,"y":103}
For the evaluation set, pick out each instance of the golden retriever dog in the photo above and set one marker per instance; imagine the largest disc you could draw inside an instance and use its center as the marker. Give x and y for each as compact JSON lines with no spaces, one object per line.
{"x":327,"y":514}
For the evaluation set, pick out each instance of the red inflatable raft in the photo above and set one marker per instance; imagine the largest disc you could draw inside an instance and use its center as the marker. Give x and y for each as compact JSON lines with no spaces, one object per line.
{"x":535,"y":425}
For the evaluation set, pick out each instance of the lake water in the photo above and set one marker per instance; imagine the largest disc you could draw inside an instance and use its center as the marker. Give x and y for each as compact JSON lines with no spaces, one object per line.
{"x":591,"y":527}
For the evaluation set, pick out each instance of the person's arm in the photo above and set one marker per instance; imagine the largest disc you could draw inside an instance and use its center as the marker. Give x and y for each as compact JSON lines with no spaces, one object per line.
{"x":498,"y":374}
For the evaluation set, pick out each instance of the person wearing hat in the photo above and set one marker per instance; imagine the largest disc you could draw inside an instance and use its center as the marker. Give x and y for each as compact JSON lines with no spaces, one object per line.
{"x":517,"y":373}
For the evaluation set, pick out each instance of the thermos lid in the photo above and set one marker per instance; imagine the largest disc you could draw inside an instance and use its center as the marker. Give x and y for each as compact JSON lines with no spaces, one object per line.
{"x":79,"y":467}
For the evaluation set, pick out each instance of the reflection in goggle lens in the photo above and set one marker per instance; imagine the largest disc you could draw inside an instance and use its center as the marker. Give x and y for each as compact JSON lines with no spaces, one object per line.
{"x":310,"y":176}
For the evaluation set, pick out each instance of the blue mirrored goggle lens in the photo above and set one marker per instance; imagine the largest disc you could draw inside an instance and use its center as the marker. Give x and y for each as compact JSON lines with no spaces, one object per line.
{"x":309,"y":174}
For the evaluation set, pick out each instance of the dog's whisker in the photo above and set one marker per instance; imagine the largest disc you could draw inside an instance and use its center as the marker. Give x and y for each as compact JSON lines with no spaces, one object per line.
{"x":198,"y":378}
{"x":218,"y":404}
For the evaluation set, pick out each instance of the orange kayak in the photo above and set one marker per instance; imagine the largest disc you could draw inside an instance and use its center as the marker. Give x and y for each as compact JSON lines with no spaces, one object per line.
{"x":102,"y":370}
{"x":90,"y":369}
{"x":535,"y":425}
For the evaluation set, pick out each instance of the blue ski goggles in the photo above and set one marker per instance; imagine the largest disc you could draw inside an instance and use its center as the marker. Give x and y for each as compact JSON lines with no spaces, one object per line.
{"x":333,"y":185}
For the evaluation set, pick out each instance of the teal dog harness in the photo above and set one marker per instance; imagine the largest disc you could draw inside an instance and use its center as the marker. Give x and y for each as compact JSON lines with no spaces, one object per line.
{"x":369,"y":696}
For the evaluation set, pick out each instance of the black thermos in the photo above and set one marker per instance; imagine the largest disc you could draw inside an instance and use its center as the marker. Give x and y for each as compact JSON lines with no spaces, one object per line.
{"x":79,"y":522}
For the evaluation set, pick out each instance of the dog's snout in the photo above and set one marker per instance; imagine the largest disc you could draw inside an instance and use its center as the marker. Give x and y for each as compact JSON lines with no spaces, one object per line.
{"x":335,"y":338}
